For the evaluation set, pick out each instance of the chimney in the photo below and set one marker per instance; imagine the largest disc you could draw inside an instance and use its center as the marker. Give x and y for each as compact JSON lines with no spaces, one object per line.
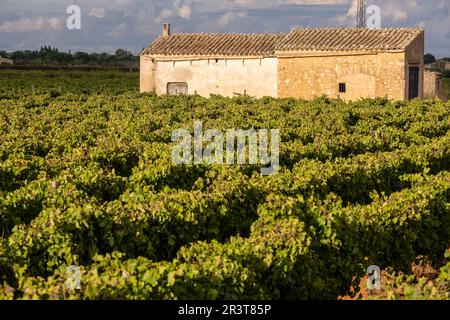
{"x":166,"y":30}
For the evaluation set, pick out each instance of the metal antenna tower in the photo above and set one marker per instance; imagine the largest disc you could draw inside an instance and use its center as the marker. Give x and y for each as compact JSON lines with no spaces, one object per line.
{"x":361,"y":14}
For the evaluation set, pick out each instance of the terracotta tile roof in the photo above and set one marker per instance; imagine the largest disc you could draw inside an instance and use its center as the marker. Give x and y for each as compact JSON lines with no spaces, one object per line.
{"x":299,"y":39}
{"x":347,"y":39}
{"x":215,"y":44}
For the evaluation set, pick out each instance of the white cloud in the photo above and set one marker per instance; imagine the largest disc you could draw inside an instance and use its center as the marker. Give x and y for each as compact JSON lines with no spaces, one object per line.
{"x":165,"y":14}
{"x":184,"y":8}
{"x":118,"y":31}
{"x":97,"y":12}
{"x":31,"y":24}
{"x":228,"y":17}
{"x":271,"y":3}
{"x":185,"y":11}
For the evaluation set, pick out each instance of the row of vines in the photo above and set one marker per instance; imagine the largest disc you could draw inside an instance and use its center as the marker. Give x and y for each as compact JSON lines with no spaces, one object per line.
{"x":87,"y":180}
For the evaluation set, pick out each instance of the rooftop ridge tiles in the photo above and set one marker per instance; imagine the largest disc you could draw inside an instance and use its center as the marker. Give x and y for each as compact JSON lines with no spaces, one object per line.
{"x":302,"y":39}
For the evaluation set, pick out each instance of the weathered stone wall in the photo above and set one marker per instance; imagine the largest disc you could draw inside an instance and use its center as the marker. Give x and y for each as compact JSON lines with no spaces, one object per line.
{"x":319,"y":73}
{"x":253,"y":76}
{"x":431,"y":84}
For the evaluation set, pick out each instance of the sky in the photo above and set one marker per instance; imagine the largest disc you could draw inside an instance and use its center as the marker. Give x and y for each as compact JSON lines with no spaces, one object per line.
{"x":132,"y":24}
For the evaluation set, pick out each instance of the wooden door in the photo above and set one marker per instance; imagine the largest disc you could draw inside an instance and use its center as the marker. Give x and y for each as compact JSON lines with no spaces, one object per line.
{"x":413,"y":82}
{"x":177,"y":88}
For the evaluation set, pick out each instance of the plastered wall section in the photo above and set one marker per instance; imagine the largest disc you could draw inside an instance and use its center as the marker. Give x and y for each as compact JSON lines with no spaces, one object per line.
{"x":366,"y":75}
{"x":254,"y":76}
{"x":147,"y":74}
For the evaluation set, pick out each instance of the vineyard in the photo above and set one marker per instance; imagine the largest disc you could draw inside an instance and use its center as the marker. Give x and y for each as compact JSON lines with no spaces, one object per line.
{"x":87,"y":180}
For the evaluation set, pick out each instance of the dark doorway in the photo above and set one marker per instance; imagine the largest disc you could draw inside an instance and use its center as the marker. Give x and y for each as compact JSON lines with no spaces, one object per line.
{"x":413,"y":82}
{"x":177,"y":88}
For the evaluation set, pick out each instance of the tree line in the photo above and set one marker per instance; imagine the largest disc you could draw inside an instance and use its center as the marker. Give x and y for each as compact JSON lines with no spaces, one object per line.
{"x":48,"y":55}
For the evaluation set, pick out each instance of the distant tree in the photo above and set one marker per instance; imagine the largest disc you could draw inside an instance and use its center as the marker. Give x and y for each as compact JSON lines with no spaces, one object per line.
{"x":81,"y":57}
{"x":429,"y":58}
{"x":121,"y":53}
{"x":123,"y":56}
{"x":3,"y":54}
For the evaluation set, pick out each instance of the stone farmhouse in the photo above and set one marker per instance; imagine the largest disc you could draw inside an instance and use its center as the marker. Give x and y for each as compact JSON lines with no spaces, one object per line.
{"x":4,"y":61}
{"x":348,"y":63}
